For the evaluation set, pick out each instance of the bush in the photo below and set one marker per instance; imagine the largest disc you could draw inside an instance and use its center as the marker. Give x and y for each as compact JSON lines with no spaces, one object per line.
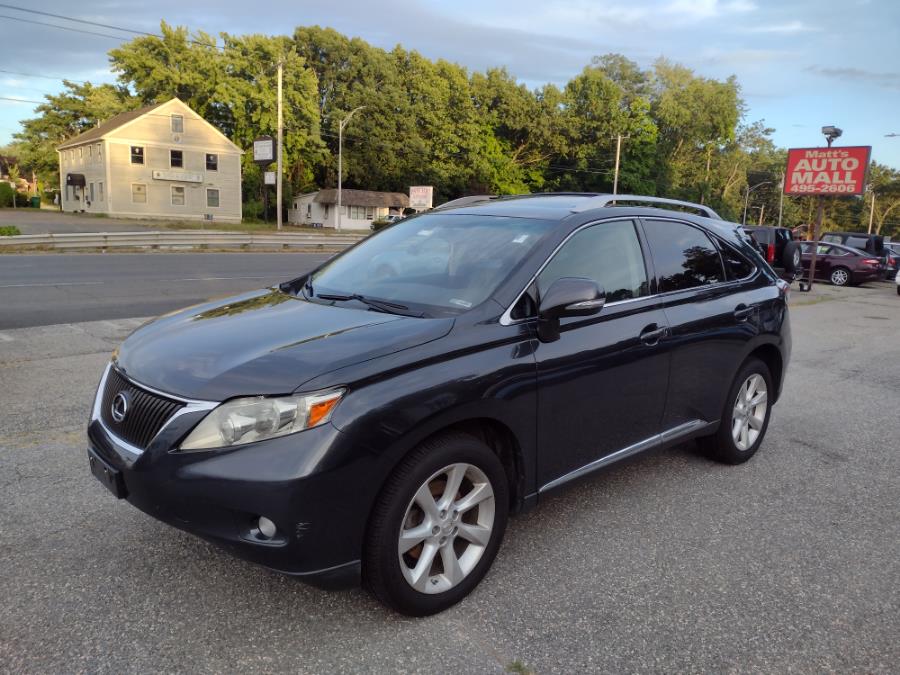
{"x":9,"y":231}
{"x":378,"y":224}
{"x":6,"y":194}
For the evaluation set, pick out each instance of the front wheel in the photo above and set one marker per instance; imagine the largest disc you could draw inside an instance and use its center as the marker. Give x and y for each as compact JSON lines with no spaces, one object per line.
{"x":840,"y":276}
{"x":437,"y":525}
{"x":745,"y":418}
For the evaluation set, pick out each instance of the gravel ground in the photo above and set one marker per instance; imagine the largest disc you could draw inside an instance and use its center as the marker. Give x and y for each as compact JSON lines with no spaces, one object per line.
{"x":668,"y":563}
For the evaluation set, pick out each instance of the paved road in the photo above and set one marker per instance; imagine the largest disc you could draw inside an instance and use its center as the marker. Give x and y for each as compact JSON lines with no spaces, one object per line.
{"x":671,"y":563}
{"x":46,"y":289}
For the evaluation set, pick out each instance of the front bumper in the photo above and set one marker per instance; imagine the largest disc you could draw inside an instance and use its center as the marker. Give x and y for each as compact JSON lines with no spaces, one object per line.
{"x":307,"y":483}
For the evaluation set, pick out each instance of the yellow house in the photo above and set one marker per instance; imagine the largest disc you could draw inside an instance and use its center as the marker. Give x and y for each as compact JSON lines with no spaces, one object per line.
{"x":162,"y":161}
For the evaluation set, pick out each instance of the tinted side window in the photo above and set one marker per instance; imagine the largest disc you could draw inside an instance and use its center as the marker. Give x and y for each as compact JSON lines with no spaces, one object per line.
{"x":608,"y":253}
{"x":683,"y":255}
{"x":857,"y":242}
{"x":736,"y":265}
{"x":833,"y":238}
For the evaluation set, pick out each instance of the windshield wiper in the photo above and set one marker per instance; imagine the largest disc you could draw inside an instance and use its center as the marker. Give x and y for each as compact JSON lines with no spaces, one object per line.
{"x":379,"y":305}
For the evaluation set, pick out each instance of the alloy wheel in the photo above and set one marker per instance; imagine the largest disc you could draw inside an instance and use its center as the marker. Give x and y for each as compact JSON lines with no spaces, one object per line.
{"x":446,"y":528}
{"x":749,"y":414}
{"x":839,"y":277}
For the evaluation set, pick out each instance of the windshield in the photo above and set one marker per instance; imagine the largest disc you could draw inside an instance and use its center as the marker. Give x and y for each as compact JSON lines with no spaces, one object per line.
{"x":437,"y":263}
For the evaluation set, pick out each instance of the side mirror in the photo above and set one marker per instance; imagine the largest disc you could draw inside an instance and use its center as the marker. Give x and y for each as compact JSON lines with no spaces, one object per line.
{"x":568,"y":296}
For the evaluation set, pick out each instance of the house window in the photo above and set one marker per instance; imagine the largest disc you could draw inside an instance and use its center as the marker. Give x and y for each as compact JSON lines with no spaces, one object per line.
{"x":137,"y":154}
{"x":309,"y":211}
{"x":99,"y":157}
{"x":212,"y":162}
{"x":138,"y":193}
{"x":370,"y":213}
{"x":80,"y":153}
{"x":99,"y":192}
{"x":212,"y":197}
{"x":357,"y":212}
{"x":176,"y":159}
{"x":177,"y":124}
{"x":91,"y":187}
{"x":177,"y":195}
{"x":90,"y":152}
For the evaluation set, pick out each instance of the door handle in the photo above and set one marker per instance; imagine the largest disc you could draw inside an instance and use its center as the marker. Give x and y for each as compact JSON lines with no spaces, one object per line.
{"x":652,"y":334}
{"x":742,"y":312}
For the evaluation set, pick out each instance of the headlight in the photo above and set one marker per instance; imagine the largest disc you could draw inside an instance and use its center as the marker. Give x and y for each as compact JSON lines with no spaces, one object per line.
{"x":244,"y":420}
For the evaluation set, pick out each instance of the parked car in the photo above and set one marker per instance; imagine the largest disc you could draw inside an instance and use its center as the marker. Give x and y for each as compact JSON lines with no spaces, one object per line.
{"x":873,"y":244}
{"x":842,"y":265}
{"x":349,"y":426}
{"x":778,"y":247}
{"x":892,"y":262}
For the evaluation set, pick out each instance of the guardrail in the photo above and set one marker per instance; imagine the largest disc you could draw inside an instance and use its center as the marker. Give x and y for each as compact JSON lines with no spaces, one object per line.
{"x":183,"y":239}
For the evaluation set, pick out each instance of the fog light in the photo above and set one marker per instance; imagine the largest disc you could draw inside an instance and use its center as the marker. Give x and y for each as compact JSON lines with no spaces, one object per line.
{"x":266,"y":527}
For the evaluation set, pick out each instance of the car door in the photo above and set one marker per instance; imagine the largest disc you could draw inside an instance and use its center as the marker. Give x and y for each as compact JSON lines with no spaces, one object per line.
{"x":602,"y":384}
{"x":709,"y":318}
{"x":823,"y":258}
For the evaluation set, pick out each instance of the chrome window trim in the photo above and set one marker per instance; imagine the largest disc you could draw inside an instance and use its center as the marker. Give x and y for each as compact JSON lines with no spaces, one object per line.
{"x":189,"y":406}
{"x":507,"y":320}
{"x":667,"y":436}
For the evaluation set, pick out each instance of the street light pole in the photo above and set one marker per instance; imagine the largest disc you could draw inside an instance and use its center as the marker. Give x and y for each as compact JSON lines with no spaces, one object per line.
{"x":872,"y":211}
{"x":280,"y":138}
{"x":747,"y":192}
{"x":341,"y":126}
{"x":781,"y":199}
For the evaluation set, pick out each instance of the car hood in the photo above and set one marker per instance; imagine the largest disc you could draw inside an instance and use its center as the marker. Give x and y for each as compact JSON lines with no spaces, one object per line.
{"x":262,"y":343}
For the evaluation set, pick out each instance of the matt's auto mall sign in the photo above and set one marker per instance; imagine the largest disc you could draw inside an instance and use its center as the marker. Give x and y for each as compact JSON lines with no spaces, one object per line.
{"x":827,"y":171}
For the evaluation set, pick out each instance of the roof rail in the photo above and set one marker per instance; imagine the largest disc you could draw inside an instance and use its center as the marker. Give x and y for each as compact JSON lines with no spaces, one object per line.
{"x":465,"y":201}
{"x":606,"y":200}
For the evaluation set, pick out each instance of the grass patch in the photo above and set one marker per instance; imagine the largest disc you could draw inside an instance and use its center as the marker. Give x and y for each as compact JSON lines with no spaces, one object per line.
{"x":519,"y":668}
{"x":9,"y":231}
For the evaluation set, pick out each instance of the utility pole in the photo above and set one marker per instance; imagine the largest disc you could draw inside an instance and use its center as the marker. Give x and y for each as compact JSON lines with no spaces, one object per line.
{"x":872,"y":211}
{"x":747,"y":192}
{"x":616,"y":175}
{"x":781,"y":199}
{"x":341,"y":126}
{"x":280,"y":139}
{"x":830,"y":134}
{"x":761,"y":211}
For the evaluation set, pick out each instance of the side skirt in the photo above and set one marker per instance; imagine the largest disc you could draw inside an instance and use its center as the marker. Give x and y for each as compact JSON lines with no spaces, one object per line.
{"x":669,"y":437}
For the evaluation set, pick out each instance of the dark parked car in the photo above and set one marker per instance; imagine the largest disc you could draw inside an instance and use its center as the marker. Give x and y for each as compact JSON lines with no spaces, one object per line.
{"x":778,"y":247}
{"x":842,"y":265}
{"x":873,"y":244}
{"x":892,"y":264}
{"x":353,"y":424}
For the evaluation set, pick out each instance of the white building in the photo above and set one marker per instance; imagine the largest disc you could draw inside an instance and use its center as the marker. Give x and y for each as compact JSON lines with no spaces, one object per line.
{"x":358,"y":208}
{"x":162,"y":161}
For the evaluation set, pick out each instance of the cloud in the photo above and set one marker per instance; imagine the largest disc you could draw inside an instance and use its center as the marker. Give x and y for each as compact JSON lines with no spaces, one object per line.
{"x":784,"y":28}
{"x":707,"y":9}
{"x":859,"y":75}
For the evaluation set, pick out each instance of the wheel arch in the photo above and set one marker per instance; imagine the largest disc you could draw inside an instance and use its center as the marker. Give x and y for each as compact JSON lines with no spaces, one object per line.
{"x":770,"y":355}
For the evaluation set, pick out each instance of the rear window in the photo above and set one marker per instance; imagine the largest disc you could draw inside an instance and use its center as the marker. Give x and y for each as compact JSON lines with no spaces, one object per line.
{"x":684,"y":257}
{"x":857,"y":242}
{"x":736,"y":265}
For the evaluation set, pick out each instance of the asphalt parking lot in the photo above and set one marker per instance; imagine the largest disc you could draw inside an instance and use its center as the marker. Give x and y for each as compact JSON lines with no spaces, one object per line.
{"x":670,"y":563}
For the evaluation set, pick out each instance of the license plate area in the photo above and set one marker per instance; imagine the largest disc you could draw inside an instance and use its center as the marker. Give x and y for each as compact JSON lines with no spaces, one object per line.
{"x":106,"y":474}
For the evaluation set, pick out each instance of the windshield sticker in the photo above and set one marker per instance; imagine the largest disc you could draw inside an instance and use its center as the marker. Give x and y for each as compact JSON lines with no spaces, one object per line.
{"x":521,"y":239}
{"x":461,"y":303}
{"x":424,"y":233}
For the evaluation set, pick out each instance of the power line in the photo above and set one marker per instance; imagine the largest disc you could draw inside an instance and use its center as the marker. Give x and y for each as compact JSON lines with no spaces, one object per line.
{"x":46,"y":77}
{"x":20,"y":100}
{"x":69,"y":28}
{"x":69,"y":18}
{"x":98,"y":24}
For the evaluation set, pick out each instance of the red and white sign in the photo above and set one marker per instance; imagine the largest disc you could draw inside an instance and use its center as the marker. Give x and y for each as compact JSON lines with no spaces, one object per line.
{"x":827,"y":171}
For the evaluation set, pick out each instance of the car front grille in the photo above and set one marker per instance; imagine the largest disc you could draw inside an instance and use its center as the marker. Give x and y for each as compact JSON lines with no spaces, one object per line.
{"x":146,"y":413}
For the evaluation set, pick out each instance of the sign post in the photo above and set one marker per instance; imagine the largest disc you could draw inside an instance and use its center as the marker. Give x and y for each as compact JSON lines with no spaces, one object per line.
{"x":263,"y":156}
{"x":822,"y":172}
{"x":420,"y":197}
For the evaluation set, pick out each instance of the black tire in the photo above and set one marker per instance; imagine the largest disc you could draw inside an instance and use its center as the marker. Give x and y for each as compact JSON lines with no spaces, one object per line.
{"x":382,"y":573}
{"x":898,"y":289}
{"x":837,"y":279}
{"x":790,"y":257}
{"x":721,"y":446}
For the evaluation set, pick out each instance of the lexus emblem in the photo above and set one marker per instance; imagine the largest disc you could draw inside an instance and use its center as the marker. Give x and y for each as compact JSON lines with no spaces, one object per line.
{"x":119,"y":407}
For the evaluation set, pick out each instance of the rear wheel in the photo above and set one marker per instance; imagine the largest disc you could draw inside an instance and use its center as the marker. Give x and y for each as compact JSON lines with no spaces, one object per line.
{"x":840,"y":276}
{"x":437,"y":525}
{"x":745,"y":418}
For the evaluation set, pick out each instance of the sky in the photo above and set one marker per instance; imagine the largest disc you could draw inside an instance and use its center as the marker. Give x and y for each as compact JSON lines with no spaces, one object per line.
{"x":801,"y":64}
